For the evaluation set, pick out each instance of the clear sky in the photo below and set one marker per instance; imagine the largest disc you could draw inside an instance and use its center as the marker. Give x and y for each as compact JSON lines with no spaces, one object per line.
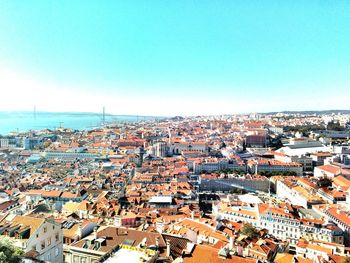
{"x":180,"y":57}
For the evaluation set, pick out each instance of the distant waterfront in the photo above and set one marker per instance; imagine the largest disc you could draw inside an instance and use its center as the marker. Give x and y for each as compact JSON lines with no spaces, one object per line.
{"x":24,"y":121}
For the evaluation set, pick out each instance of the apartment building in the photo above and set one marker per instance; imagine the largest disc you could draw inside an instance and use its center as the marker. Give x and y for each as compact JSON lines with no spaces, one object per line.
{"x":258,"y":140}
{"x":104,"y":241}
{"x":69,"y":156}
{"x":268,"y":165}
{"x":304,"y":160}
{"x":302,"y":146}
{"x":55,"y":198}
{"x":318,"y":251}
{"x":160,"y":149}
{"x":40,"y":235}
{"x":280,"y":222}
{"x":250,"y":183}
{"x":318,"y":158}
{"x":331,"y":170}
{"x":215,"y":164}
{"x":177,"y":147}
{"x":342,"y":219}
{"x":294,"y":190}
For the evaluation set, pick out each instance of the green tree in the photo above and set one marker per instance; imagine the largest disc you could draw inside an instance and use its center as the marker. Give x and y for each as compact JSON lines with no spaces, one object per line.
{"x":335,"y":126}
{"x":249,"y":230}
{"x":46,"y":144}
{"x":324,"y":182}
{"x":8,"y":252}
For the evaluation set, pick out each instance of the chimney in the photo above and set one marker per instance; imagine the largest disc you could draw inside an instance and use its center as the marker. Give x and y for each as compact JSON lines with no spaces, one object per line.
{"x":117,"y":221}
{"x":168,"y":248}
{"x":231,"y":243}
{"x":80,"y":232}
{"x":95,"y":232}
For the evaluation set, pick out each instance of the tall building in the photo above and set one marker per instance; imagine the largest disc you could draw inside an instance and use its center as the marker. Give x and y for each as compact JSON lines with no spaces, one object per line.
{"x":161,"y":149}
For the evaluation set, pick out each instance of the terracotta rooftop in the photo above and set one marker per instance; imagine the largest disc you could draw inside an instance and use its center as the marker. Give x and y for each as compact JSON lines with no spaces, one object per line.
{"x":207,"y":254}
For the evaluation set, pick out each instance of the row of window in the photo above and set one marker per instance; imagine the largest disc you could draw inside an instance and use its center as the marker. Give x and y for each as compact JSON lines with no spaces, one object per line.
{"x":45,"y":230}
{"x":78,"y":259}
{"x":286,"y":222}
{"x":48,"y":256}
{"x":47,"y":242}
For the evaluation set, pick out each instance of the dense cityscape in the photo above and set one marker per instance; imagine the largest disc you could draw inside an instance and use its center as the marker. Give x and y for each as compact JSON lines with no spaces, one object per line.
{"x":271,"y":187}
{"x":178,"y":131}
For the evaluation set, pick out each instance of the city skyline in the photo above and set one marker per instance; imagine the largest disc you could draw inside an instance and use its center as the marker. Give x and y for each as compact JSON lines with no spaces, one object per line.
{"x":178,"y":131}
{"x":178,"y":58}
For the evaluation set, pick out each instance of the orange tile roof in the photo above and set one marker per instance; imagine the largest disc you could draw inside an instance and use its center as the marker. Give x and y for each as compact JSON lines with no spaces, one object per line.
{"x":207,"y":254}
{"x":27,"y":221}
{"x":69,"y":195}
{"x":306,"y":194}
{"x":333,"y":193}
{"x":52,"y":193}
{"x":341,"y":181}
{"x":84,"y":206}
{"x":289,"y":258}
{"x":202,"y":228}
{"x":71,"y":232}
{"x":333,"y":169}
{"x":340,"y":215}
{"x":325,"y":154}
{"x":319,"y":248}
{"x":241,"y":212}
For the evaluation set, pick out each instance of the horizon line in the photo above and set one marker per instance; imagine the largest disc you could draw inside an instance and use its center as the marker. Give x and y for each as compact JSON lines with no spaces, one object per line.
{"x":171,"y":116}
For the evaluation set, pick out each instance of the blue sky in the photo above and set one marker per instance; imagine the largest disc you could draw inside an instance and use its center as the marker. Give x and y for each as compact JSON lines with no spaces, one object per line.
{"x":175,"y":57}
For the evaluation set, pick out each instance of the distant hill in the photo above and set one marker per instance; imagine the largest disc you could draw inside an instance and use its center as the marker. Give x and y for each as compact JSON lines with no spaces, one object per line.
{"x":321,"y":112}
{"x":177,"y":118}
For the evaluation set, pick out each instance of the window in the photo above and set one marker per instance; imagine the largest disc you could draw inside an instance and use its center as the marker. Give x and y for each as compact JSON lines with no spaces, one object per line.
{"x":43,"y":244}
{"x":57,"y":237}
{"x":45,"y":229}
{"x":48,"y":257}
{"x":49,"y":241}
{"x":56,"y":251}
